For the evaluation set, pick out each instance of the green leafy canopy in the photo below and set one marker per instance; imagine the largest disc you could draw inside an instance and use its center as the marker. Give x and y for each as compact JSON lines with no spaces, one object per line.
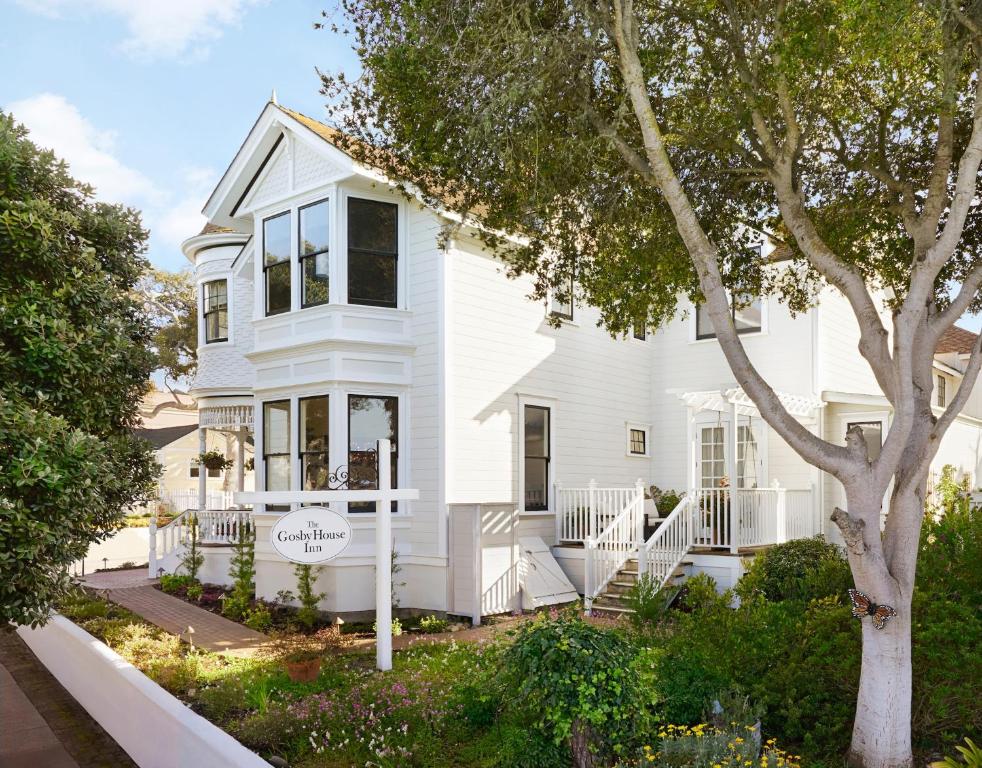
{"x":74,"y":363}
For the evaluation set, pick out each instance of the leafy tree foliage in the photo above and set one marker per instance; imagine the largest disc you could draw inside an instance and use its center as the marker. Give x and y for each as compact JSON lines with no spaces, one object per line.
{"x":169,"y":299}
{"x":74,"y":363}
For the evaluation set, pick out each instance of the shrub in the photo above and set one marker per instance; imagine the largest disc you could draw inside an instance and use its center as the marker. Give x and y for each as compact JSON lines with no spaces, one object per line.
{"x":703,"y":746}
{"x":175,"y":582}
{"x":220,"y":701}
{"x":194,"y":591}
{"x":271,"y":731}
{"x":258,"y":618}
{"x":193,"y":557}
{"x":647,"y":602}
{"x":577,"y":683}
{"x":971,"y":757}
{"x":433,"y":624}
{"x":802,"y":569}
{"x":242,"y":570}
{"x":308,"y":613}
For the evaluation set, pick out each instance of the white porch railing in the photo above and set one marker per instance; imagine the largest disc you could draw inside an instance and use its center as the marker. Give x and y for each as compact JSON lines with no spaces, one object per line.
{"x":215,"y":526}
{"x":618,"y":542}
{"x":181,"y":500}
{"x":727,"y":518}
{"x":587,"y":512}
{"x":669,"y":544}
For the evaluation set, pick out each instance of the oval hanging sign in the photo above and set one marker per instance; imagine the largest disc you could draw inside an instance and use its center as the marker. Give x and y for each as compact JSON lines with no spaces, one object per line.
{"x":311,"y":535}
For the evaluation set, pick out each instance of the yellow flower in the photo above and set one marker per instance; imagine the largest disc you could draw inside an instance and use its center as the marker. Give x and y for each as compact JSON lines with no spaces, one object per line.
{"x":738,"y":740}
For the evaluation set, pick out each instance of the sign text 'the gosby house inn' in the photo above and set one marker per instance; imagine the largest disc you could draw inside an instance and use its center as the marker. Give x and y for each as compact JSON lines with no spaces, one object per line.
{"x":311,"y":535}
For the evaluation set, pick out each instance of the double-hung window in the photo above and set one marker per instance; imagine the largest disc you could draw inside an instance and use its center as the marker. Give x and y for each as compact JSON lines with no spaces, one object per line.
{"x":276,"y":448}
{"x":370,"y":418}
{"x":747,"y":317}
{"x":373,"y":252}
{"x":215,"y":310}
{"x":313,"y":247}
{"x":537,"y":457}
{"x":276,"y":263}
{"x":942,"y":391}
{"x":637,"y":441}
{"x":315,"y":459}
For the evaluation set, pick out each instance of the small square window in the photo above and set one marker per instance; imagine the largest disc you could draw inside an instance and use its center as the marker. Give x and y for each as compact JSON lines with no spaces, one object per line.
{"x":637,"y":441}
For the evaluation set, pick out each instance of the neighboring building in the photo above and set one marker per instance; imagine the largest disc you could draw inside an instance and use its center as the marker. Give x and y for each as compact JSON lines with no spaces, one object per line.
{"x":332,"y":315}
{"x":172,"y":429}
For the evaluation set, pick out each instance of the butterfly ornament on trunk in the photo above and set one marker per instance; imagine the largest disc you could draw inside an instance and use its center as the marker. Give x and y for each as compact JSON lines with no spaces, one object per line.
{"x":863,"y":605}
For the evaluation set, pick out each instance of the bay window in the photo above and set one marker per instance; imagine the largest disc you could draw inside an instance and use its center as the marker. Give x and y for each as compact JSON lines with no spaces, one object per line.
{"x":276,"y":448}
{"x":537,"y":457}
{"x":370,"y":418}
{"x":276,"y":263}
{"x":373,"y":252}
{"x":214,"y":310}
{"x":313,"y":247}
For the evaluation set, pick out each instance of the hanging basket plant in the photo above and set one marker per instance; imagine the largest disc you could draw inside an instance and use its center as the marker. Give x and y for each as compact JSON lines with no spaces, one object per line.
{"x":214,"y":460}
{"x":250,"y":464}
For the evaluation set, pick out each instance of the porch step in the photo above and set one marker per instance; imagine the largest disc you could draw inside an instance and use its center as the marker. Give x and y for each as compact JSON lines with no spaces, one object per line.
{"x":614,"y":598}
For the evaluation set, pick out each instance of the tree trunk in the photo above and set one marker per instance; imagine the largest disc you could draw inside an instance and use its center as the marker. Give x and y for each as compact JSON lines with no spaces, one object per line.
{"x":881,"y":732}
{"x":580,"y":740}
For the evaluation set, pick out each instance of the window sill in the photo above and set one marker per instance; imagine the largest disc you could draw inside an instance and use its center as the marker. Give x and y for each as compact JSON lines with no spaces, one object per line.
{"x":637,"y":455}
{"x":713,"y":339}
{"x":536,"y":513}
{"x":215,"y":345}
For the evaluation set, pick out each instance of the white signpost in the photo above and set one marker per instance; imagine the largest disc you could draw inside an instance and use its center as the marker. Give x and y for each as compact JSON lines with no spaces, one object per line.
{"x":313,"y":535}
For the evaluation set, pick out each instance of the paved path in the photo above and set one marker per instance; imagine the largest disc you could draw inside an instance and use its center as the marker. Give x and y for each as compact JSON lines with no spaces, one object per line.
{"x":131,"y":577}
{"x":41,"y":725}
{"x":211,"y":631}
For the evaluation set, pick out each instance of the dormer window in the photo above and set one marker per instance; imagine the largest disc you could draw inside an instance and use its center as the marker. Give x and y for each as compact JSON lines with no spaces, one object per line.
{"x":314,"y":250}
{"x":373,"y":252}
{"x":215,"y":310}
{"x":276,"y":263}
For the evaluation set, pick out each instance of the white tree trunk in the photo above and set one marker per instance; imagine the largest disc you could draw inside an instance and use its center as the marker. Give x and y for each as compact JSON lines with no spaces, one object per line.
{"x":881,"y":732}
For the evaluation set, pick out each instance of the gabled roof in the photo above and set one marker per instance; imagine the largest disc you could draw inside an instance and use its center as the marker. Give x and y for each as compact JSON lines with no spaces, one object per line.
{"x":163,"y":436}
{"x":957,"y":340}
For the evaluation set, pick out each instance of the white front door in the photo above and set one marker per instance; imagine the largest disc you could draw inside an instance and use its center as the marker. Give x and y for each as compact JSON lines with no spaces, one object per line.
{"x":711,"y":445}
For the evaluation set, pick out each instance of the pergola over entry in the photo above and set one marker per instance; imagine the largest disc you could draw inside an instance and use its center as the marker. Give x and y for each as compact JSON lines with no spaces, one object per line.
{"x":734,"y":401}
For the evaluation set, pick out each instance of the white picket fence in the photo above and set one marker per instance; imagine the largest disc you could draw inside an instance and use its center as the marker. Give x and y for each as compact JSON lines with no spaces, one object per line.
{"x":171,"y":501}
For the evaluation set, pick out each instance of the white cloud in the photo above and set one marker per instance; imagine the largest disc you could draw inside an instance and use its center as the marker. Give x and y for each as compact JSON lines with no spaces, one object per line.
{"x":56,"y":124}
{"x":156,"y":28}
{"x":182,"y":219}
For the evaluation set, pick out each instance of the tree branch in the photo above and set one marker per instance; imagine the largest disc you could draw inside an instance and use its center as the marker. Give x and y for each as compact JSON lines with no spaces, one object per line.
{"x":825,"y":455}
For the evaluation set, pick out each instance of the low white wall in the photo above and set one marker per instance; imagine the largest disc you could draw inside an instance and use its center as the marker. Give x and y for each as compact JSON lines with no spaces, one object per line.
{"x":154,"y":728}
{"x":725,"y":570}
{"x":126,"y":545}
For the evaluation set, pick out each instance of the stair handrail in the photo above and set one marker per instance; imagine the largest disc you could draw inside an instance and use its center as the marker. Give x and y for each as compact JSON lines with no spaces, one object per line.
{"x":669,"y":544}
{"x":607,"y":553}
{"x":174,"y":533}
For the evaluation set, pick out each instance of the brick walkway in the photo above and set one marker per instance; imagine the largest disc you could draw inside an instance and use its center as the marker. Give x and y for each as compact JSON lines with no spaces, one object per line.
{"x":211,"y":631}
{"x":42,"y":725}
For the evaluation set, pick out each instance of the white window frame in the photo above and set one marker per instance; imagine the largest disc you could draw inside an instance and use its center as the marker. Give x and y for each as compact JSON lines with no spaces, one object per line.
{"x":402,"y":238}
{"x":553,"y":405}
{"x":646,"y":428}
{"x":694,"y":330}
{"x":553,"y":312}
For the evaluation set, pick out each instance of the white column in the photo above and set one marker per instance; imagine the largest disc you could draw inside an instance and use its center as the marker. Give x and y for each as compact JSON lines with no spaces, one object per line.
{"x":588,"y":552}
{"x":152,"y":532}
{"x":560,"y":513}
{"x":639,"y":506}
{"x":731,"y":469}
{"x":202,"y":470}
{"x":592,"y":504}
{"x":781,"y":505}
{"x":383,"y":559}
{"x":240,"y":441}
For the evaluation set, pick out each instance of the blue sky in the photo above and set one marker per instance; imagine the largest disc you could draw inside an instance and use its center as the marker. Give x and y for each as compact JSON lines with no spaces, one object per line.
{"x":150,"y":99}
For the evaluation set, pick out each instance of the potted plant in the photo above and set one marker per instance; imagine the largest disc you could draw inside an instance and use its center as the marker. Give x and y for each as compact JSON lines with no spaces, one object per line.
{"x":214,"y":460}
{"x":301,"y":655}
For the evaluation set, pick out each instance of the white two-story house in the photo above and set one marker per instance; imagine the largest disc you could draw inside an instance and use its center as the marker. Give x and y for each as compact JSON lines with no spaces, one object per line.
{"x":333,"y":314}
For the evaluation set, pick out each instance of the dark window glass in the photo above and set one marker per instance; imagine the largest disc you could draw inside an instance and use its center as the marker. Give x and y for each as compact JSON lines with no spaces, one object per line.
{"x":563,"y":307}
{"x":276,"y":263}
{"x":373,"y":252}
{"x":196,"y":471}
{"x":639,"y":442}
{"x":942,"y":392}
{"x":315,"y":459}
{"x":314,"y":257}
{"x":370,"y":418}
{"x":215,"y":310}
{"x":536,"y":458}
{"x":276,"y":448}
{"x":746,"y":318}
{"x":640,"y":333}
